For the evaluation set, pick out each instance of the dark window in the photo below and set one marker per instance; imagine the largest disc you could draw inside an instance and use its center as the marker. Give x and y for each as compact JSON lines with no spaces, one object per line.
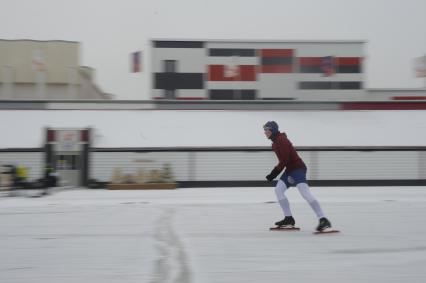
{"x":349,"y":69}
{"x":277,"y":60}
{"x":310,"y":69}
{"x":315,"y":85}
{"x":178,"y":81}
{"x":330,"y":85}
{"x":178,"y":44}
{"x":170,"y":66}
{"x":232,"y":52}
{"x":349,"y":85}
{"x":67,"y":162}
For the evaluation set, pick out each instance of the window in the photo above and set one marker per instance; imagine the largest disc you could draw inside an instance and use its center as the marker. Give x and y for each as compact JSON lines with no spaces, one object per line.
{"x":170,"y":66}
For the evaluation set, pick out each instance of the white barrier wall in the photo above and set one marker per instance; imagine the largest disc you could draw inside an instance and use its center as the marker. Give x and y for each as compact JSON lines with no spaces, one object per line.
{"x":243,"y":165}
{"x":255,"y":165}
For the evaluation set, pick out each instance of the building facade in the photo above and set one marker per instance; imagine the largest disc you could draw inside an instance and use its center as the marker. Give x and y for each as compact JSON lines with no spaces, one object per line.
{"x":253,"y":70}
{"x":46,"y":70}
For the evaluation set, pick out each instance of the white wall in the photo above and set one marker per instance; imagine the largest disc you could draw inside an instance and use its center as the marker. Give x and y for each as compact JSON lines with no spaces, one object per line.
{"x":168,"y":128}
{"x":192,"y":128}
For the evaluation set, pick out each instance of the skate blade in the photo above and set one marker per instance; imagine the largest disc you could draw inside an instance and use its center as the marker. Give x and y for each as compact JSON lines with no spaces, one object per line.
{"x":327,"y":231}
{"x":284,"y":228}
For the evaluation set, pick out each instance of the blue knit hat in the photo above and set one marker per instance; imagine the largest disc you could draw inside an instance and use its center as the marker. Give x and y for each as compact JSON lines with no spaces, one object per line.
{"x":272,"y":126}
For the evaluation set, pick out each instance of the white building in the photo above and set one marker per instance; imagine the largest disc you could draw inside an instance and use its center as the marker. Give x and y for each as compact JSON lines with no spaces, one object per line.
{"x":251,"y":70}
{"x":265,"y":70}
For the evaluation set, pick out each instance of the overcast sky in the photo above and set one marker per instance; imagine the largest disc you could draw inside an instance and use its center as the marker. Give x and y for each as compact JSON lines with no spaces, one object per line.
{"x":395,"y":31}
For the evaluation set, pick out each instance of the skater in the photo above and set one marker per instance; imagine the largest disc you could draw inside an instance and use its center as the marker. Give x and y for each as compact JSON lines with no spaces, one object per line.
{"x":294,"y":174}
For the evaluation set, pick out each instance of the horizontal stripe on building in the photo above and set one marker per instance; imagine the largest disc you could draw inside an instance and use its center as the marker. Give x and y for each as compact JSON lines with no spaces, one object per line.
{"x":232,"y":52}
{"x":409,"y":97}
{"x":310,"y":61}
{"x":178,"y":44}
{"x":348,"y":61}
{"x":232,"y":60}
{"x":173,"y":81}
{"x":348,"y":69}
{"x":330,"y":85}
{"x":276,"y":69}
{"x":276,"y":52}
{"x":337,"y":61}
{"x":229,"y":73}
{"x":232,"y":94}
{"x":231,"y":84}
{"x":277,"y":60}
{"x":337,"y":69}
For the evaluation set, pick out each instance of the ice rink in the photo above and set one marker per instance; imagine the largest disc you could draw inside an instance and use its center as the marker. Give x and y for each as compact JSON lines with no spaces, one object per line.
{"x":212,"y":235}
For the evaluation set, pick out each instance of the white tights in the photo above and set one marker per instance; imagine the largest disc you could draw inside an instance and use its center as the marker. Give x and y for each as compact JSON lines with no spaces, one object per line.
{"x":306,"y":194}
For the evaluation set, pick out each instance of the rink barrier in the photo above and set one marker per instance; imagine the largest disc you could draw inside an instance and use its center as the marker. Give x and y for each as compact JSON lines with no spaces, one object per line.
{"x":247,"y":166}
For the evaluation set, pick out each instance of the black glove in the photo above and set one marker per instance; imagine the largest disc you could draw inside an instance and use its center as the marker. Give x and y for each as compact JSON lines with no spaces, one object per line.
{"x":274,"y":173}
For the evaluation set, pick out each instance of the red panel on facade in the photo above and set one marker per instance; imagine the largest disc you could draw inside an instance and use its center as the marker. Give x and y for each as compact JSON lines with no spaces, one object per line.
{"x":276,"y":69}
{"x":276,"y":52}
{"x":248,"y":72}
{"x":216,"y":72}
{"x":348,"y":61}
{"x":384,"y":106}
{"x":310,"y":61}
{"x":225,"y":73}
{"x":50,"y":135}
{"x":409,"y":98}
{"x":84,"y":135}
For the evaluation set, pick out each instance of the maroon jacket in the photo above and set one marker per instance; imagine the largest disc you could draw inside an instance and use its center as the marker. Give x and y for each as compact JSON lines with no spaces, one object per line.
{"x":286,"y":154}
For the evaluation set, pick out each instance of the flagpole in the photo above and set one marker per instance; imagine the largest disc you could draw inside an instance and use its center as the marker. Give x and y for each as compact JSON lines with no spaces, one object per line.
{"x":424,"y":70}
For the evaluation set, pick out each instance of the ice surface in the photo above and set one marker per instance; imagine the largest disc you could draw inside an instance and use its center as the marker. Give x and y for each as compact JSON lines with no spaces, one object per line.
{"x":212,"y":235}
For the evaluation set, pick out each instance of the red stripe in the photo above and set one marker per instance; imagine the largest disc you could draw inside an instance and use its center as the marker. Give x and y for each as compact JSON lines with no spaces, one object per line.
{"x":51,"y":135}
{"x":384,"y":106}
{"x":276,"y":52}
{"x":316,"y":61}
{"x":84,"y":135}
{"x":276,"y":69}
{"x":348,"y":61}
{"x":243,"y":73}
{"x":409,"y":98}
{"x":310,"y":61}
{"x":216,"y":72}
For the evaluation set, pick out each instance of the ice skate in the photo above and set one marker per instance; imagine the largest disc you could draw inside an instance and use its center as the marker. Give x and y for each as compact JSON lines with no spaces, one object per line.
{"x":323,"y":224}
{"x":288,"y":221}
{"x":286,"y":224}
{"x":324,"y":227}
